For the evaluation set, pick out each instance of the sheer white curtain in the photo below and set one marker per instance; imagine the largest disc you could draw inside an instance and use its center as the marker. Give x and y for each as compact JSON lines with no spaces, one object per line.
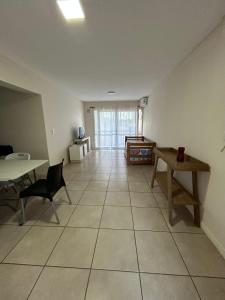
{"x":111,"y":124}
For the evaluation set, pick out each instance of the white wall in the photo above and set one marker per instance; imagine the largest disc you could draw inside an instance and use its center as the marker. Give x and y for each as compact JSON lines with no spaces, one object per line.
{"x":188,"y":109}
{"x":62,"y":110}
{"x":22,"y":123}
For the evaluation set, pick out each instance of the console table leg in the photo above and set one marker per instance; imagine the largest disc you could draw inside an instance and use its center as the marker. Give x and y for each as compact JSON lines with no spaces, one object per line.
{"x":169,"y":196}
{"x":196,"y":197}
{"x":197,"y":215}
{"x":154,"y":171}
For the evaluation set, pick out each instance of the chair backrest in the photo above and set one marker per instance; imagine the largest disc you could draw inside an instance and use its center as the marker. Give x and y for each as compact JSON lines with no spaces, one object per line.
{"x":5,"y":150}
{"x":55,"y":178}
{"x":18,"y":156}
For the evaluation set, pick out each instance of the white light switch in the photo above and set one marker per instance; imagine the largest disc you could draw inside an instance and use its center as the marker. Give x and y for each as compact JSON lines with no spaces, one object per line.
{"x":53,"y":131}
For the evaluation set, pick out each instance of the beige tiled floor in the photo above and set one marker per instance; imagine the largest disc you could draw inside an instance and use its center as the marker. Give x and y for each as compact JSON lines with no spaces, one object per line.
{"x":75,"y":248}
{"x":121,"y":285}
{"x":61,"y":283}
{"x":157,"y":286}
{"x":118,"y":199}
{"x":117,"y":217}
{"x":35,"y":247}
{"x":146,"y":218}
{"x":86,"y":216}
{"x":158,"y":253}
{"x":115,"y":250}
{"x":16,"y":281}
{"x":114,"y":242}
{"x":92,"y":198}
{"x":143,"y":199}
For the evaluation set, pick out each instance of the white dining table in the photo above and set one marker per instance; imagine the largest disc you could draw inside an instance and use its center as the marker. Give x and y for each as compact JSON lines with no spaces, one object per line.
{"x":13,"y":169}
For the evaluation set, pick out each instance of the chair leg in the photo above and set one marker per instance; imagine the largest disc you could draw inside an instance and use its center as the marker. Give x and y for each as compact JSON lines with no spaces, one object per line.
{"x":18,"y":204}
{"x":28,"y":177}
{"x":54,"y":210}
{"x":22,"y":218}
{"x":67,"y":194}
{"x":14,"y":189}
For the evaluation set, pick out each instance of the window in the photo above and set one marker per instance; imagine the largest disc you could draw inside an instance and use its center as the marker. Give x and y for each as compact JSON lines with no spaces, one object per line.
{"x":111,"y":126}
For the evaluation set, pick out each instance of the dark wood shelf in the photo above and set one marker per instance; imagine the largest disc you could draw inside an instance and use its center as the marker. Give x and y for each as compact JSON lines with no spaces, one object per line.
{"x":180,"y":196}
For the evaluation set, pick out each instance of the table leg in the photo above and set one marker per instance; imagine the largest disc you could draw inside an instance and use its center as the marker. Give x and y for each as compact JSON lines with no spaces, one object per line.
{"x":22,"y":217}
{"x":154,"y":171}
{"x":169,"y":195}
{"x":196,"y":197}
{"x":88,"y":144}
{"x":35,"y":177}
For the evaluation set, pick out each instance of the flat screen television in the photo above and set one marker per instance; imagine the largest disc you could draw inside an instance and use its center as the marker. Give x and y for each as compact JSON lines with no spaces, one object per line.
{"x":81,"y":132}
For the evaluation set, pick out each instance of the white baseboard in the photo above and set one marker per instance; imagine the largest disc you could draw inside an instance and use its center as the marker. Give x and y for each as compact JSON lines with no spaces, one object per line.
{"x":213,"y":239}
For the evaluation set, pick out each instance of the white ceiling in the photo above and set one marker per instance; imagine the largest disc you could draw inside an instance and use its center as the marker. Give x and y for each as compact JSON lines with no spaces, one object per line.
{"x":123,"y":45}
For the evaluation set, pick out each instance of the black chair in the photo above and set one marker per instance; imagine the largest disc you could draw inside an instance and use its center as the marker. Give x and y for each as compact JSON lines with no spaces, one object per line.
{"x":5,"y":150}
{"x":45,"y":188}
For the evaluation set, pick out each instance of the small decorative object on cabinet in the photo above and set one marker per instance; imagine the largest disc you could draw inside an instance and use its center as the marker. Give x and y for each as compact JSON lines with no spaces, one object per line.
{"x":180,"y":154}
{"x":139,"y":150}
{"x":174,"y":191}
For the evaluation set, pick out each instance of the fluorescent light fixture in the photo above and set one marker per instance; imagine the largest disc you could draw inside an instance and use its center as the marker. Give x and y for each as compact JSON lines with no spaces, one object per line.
{"x":71,"y":9}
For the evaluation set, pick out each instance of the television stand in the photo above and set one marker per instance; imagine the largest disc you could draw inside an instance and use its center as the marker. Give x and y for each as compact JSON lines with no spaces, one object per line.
{"x":80,"y":148}
{"x":85,"y":140}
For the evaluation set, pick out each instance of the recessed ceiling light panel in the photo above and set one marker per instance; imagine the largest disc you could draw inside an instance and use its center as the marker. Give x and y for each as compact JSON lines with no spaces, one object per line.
{"x":71,"y":9}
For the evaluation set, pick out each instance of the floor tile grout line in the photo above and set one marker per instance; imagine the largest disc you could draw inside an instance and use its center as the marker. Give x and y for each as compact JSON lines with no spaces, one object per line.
{"x":85,"y":295}
{"x":31,"y":226}
{"x":186,"y":266}
{"x":44,"y":266}
{"x":115,"y":181}
{"x":66,"y":226}
{"x":106,"y":228}
{"x":116,"y":270}
{"x":135,"y":241}
{"x":16,"y":243}
{"x":46,"y":261}
{"x":164,"y":220}
{"x":156,"y":201}
{"x":171,"y":234}
{"x":49,"y":208}
{"x":39,"y":275}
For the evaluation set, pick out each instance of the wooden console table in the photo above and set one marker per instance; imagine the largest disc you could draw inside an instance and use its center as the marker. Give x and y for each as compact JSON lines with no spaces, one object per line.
{"x":174,"y":191}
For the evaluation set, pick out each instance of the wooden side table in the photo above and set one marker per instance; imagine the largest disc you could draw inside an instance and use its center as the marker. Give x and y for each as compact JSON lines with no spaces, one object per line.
{"x":171,"y":187}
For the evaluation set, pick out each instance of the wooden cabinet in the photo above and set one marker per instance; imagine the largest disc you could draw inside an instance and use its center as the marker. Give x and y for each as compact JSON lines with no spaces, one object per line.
{"x":171,"y":187}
